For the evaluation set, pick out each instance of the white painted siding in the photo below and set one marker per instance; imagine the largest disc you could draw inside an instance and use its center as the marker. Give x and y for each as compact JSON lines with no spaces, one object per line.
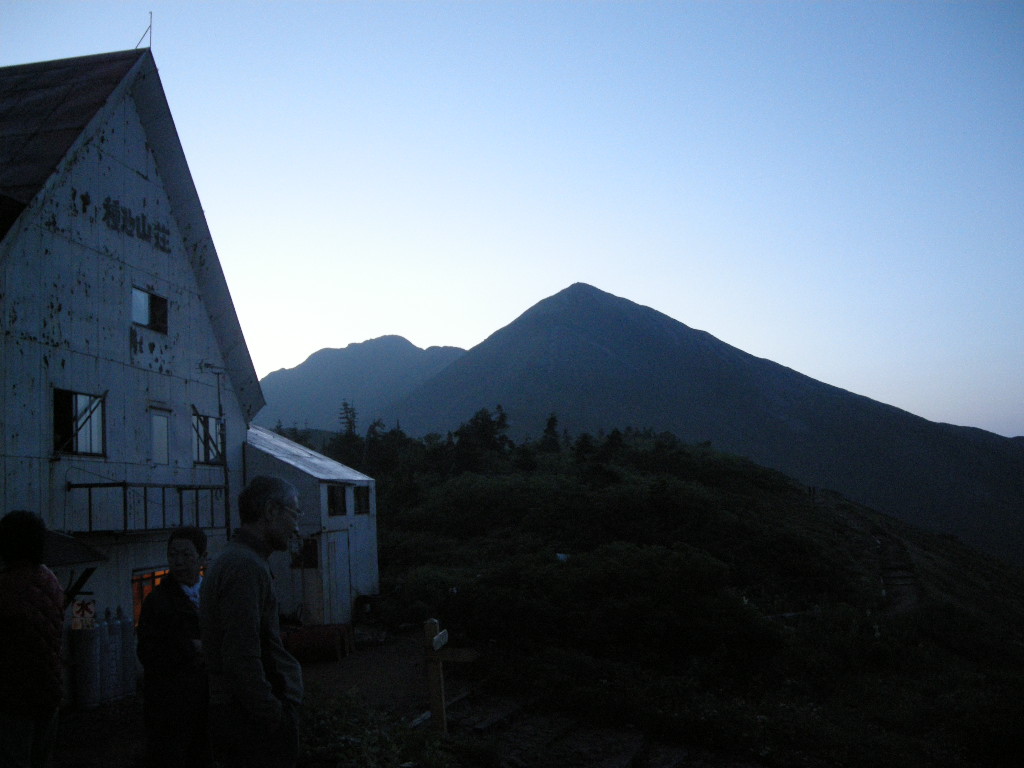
{"x":67,"y":279}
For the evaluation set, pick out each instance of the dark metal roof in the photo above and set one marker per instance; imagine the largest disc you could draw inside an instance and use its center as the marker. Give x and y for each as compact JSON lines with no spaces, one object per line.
{"x":43,"y":108}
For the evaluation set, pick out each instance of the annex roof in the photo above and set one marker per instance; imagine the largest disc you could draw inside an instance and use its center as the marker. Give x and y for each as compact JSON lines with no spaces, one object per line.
{"x":303,"y":458}
{"x":46,"y":110}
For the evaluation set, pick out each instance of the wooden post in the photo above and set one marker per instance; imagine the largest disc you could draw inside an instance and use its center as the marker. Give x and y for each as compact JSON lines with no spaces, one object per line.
{"x":435,"y":640}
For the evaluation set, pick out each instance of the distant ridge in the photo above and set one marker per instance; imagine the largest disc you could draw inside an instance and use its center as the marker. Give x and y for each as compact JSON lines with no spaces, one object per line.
{"x":367,"y":375}
{"x":599,"y":362}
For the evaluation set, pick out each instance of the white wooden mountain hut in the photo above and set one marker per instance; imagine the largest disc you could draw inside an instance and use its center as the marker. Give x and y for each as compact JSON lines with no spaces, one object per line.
{"x":126,"y":387}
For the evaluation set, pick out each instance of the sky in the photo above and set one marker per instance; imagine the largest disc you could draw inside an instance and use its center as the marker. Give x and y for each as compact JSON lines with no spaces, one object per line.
{"x":835,"y":186}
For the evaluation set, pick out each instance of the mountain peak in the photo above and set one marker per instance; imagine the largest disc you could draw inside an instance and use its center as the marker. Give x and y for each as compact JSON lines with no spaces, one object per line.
{"x":578,"y":293}
{"x":584,"y":303}
{"x":599,"y":362}
{"x":582,"y":289}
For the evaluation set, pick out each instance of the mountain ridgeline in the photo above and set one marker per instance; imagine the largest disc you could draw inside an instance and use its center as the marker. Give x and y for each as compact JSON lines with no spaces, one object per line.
{"x":601,"y":362}
{"x":366,"y":375}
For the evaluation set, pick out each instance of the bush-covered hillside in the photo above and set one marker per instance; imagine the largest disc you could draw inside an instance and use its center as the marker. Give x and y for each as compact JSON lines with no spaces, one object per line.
{"x":630,"y":578}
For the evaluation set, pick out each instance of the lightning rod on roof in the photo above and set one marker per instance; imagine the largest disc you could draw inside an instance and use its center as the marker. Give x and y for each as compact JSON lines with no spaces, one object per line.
{"x":149,"y":31}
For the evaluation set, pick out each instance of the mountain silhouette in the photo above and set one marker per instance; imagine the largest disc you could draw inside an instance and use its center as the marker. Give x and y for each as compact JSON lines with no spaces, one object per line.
{"x":600,"y":362}
{"x":367,"y":375}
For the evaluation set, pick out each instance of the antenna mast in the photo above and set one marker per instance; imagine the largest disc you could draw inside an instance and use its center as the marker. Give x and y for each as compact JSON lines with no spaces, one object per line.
{"x":149,"y":31}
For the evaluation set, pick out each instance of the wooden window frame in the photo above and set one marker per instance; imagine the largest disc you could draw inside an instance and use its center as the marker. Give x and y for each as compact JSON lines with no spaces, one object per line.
{"x":79,"y":422}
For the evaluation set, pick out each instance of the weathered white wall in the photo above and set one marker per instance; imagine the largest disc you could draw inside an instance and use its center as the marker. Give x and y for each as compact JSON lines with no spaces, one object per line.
{"x":67,"y":279}
{"x":363,"y":539}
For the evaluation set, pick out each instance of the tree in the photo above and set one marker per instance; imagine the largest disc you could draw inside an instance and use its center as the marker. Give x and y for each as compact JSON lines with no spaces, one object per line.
{"x":549,"y":442}
{"x":481,"y":444}
{"x":347,"y":417}
{"x":347,"y":446}
{"x":584,"y":447}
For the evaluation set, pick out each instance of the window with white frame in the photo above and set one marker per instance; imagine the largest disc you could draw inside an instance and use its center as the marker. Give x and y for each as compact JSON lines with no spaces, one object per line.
{"x":159,"y":428}
{"x":149,"y":310}
{"x":78,"y":423}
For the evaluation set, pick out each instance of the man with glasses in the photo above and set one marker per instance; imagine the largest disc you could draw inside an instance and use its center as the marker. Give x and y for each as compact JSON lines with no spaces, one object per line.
{"x":175,"y":691}
{"x":255,"y":684}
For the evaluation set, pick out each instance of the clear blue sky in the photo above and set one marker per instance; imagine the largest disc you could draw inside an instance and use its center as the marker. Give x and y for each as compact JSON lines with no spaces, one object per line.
{"x":838,"y":187}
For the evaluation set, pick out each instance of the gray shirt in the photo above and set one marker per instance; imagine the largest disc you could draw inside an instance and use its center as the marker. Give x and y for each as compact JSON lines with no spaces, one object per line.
{"x":247,"y":661}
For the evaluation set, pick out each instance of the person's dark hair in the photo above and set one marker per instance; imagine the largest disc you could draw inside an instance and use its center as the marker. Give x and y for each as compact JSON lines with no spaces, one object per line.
{"x":259,"y":491}
{"x":22,"y":535}
{"x":191,"y":533}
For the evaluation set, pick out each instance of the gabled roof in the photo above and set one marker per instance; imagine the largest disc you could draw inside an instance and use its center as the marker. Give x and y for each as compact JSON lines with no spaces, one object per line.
{"x":46,"y":110}
{"x":303,"y":458}
{"x":44,"y":107}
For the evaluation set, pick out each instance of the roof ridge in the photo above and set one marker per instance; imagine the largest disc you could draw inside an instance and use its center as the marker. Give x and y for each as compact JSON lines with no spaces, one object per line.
{"x":76,"y":60}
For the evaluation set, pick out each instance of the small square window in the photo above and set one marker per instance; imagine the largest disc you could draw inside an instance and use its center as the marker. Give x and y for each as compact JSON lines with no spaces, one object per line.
{"x":149,"y":310}
{"x":362,"y":498}
{"x":337,"y":503}
{"x":308,"y":555}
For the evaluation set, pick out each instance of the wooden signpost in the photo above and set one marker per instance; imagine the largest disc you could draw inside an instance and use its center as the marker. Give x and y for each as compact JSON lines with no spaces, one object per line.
{"x":436,"y":639}
{"x":437,"y":652}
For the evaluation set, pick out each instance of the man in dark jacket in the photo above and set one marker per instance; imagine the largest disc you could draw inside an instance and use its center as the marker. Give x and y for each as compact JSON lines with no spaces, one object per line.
{"x":175,"y":687}
{"x":255,"y":684}
{"x":31,"y":625}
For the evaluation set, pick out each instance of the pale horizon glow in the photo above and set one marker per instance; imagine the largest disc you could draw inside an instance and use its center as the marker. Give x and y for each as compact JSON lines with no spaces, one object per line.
{"x":838,"y":187}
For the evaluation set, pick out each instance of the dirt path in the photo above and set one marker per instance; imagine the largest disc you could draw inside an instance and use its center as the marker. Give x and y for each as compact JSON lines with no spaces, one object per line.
{"x":387,"y":673}
{"x":110,"y":736}
{"x":900,"y":584}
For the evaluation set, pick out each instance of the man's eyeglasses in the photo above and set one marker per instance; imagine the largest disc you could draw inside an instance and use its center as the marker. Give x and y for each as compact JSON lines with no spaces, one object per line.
{"x":294,"y":511}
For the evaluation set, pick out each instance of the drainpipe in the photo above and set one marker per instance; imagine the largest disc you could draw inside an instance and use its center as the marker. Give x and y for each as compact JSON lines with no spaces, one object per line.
{"x":223,"y":429}
{"x":222,"y":434}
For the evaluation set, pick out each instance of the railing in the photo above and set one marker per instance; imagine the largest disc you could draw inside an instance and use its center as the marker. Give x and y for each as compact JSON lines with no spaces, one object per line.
{"x":125,"y":507}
